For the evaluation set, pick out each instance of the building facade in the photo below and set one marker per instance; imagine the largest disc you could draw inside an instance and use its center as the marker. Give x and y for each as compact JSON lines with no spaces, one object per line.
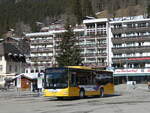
{"x":131,"y":49}
{"x":93,"y":39}
{"x":42,"y":52}
{"x":123,"y":45}
{"x":94,"y":43}
{"x":12,"y":58}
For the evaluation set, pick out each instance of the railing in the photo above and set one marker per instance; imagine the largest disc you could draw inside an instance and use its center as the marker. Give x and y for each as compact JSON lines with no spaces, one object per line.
{"x":93,"y":54}
{"x":93,"y":45}
{"x":41,"y":64}
{"x":99,"y":36}
{"x":38,"y":59}
{"x":42,"y":49}
{"x":41,"y":41}
{"x":131,"y":49}
{"x":130,"y":39}
{"x":126,"y":30}
{"x":95,"y":64}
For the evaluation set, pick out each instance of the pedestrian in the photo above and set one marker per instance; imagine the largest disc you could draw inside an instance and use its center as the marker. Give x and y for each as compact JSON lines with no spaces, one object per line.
{"x":148,"y":84}
{"x":133,"y":83}
{"x":34,"y":86}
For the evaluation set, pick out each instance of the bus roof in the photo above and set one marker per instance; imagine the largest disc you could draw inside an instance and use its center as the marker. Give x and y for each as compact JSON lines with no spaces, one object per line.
{"x":80,"y":67}
{"x":84,"y":68}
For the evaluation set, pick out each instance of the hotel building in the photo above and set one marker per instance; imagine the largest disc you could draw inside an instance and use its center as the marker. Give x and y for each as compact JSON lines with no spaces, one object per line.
{"x":131,"y":49}
{"x":122,"y":44}
{"x":93,"y":39}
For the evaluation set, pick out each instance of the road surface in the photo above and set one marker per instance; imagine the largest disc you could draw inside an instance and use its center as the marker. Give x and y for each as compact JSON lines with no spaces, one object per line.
{"x":126,"y":100}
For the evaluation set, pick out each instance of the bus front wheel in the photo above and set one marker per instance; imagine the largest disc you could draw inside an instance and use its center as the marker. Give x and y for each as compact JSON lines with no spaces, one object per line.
{"x":82,"y":94}
{"x":102,"y":92}
{"x":59,"y":98}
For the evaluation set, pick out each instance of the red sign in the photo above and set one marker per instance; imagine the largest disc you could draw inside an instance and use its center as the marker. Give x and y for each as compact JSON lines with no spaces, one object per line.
{"x":123,"y":71}
{"x":146,"y":58}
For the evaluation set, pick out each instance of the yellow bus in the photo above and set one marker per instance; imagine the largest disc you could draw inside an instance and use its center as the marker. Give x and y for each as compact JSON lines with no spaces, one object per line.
{"x":77,"y":81}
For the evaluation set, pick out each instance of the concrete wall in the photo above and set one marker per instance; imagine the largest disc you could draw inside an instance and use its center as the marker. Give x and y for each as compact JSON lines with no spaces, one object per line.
{"x":15,"y":67}
{"x":11,"y":67}
{"x":3,"y":64}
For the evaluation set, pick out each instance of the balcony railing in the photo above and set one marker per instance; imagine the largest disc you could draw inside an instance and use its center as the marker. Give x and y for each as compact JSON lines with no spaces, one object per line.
{"x":39,"y":59}
{"x":39,"y":50}
{"x":93,"y":46}
{"x":41,"y":42}
{"x":119,"y":60}
{"x":128,"y":30}
{"x":42,"y":64}
{"x":98,"y":36}
{"x":94,"y":54}
{"x":120,"y":40}
{"x":95,"y":64}
{"x":135,"y":49}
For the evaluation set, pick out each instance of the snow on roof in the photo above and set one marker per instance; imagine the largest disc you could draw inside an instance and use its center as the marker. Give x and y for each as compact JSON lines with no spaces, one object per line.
{"x":129,"y":19}
{"x":126,"y":21}
{"x":30,"y":75}
{"x":95,"y":20}
{"x":38,"y":34}
{"x":49,"y":33}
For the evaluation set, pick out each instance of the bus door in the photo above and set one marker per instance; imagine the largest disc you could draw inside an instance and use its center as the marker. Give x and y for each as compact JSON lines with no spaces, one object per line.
{"x":73,"y":84}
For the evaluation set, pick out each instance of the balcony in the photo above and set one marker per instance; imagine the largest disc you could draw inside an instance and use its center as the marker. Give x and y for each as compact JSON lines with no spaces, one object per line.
{"x":95,"y":64}
{"x":94,"y":55}
{"x":119,"y":60}
{"x":41,"y":50}
{"x":135,"y":59}
{"x":99,"y":36}
{"x":37,"y":42}
{"x":129,"y":50}
{"x":88,"y":46}
{"x":101,"y":45}
{"x":129,"y":30}
{"x":42,"y":64}
{"x":121,"y":40}
{"x":88,"y":54}
{"x":41,"y":59}
{"x":101,"y":64}
{"x":92,"y":46}
{"x":102,"y":54}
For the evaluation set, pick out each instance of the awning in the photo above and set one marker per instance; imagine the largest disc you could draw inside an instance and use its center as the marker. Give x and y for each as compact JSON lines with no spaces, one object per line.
{"x":131,"y":74}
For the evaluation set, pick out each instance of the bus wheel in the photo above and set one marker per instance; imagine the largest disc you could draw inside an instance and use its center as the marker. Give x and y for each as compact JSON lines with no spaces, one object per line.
{"x":59,"y":98}
{"x":102,"y":92}
{"x":82,"y":94}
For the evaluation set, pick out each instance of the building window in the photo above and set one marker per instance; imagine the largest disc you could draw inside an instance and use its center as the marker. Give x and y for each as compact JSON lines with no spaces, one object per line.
{"x":42,"y":71}
{"x":1,"y":68}
{"x":32,"y":71}
{"x":10,"y":68}
{"x":36,"y":70}
{"x":26,"y":71}
{"x":16,"y":69}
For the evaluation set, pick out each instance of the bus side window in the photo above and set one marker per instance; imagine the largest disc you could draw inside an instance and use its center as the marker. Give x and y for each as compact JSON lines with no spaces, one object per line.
{"x":73,"y":79}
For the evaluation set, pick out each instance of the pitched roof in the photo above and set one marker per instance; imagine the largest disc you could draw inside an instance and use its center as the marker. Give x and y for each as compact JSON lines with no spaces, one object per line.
{"x":10,"y":48}
{"x":30,"y":75}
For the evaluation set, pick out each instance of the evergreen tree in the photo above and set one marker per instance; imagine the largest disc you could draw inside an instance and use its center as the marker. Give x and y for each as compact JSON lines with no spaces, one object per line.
{"x":28,"y":11}
{"x":69,"y":54}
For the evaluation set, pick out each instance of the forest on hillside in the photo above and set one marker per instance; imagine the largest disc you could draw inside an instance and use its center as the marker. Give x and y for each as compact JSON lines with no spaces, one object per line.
{"x":23,"y":15}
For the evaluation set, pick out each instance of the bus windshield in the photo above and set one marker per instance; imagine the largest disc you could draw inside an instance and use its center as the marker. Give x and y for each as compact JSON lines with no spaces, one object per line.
{"x":56,"y":78}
